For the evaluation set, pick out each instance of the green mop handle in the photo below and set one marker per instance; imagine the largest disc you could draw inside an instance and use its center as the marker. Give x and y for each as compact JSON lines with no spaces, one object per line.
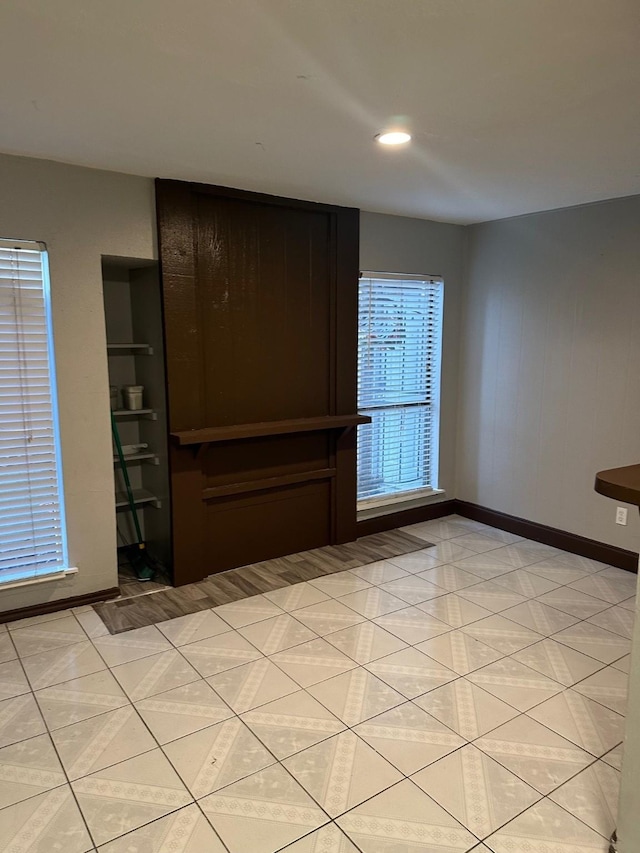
{"x":127,"y":482}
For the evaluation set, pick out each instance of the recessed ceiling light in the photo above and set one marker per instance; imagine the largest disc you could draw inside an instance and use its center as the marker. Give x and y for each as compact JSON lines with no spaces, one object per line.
{"x":394,"y":137}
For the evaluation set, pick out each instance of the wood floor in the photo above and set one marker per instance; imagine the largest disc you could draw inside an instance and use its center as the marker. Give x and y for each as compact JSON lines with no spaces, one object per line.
{"x":128,"y":613}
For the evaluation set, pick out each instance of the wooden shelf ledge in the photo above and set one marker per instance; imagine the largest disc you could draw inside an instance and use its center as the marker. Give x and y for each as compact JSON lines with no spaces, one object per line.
{"x":211,"y":435}
{"x":621,"y":484}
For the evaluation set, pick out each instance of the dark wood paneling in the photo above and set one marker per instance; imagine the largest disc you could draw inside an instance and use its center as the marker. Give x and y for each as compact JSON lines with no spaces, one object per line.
{"x":552,"y":536}
{"x":261,"y":313}
{"x":404,"y":517}
{"x":59,"y":604}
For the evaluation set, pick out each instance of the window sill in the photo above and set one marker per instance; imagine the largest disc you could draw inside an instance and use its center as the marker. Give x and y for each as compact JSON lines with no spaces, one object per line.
{"x":372,"y":507}
{"x":54,"y":576}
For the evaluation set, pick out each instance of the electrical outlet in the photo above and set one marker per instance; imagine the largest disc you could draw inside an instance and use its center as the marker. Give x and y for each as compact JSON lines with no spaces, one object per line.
{"x":621,"y":515}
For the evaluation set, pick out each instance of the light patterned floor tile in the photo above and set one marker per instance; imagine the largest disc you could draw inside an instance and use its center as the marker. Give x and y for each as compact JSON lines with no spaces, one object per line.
{"x":442,"y":528}
{"x":515,"y":684}
{"x":312,"y":662}
{"x":102,"y":741}
{"x":546,"y":828}
{"x":450,"y":578}
{"x":629,"y":603}
{"x":412,"y":625}
{"x":592,"y":796}
{"x":459,"y":652}
{"x":441,"y":553}
{"x":416,"y":561}
{"x":614,"y":757}
{"x":184,"y":831}
{"x":485,"y":566}
{"x":608,"y":687}
{"x":408,"y":737}
{"x":594,"y":641}
{"x":481,"y":542}
{"x":525,"y":583}
{"x":279,"y":633}
{"x":45,"y":636}
{"x":13,"y":681}
{"x":217,"y":756}
{"x":341,"y":772}
{"x":502,"y":634}
{"x":534,"y":753}
{"x":326,"y":617}
{"x":217,"y":654}
{"x":454,"y":611}
{"x":131,"y":645}
{"x":193,"y":627}
{"x":262,"y":813}
{"x":328,"y":839}
{"x":296,"y":596}
{"x":28,"y":768}
{"x":557,"y":571}
{"x":80,"y":699}
{"x":404,"y":819}
{"x":17,"y":624}
{"x":356,"y":696}
{"x":524,"y":553}
{"x":476,"y":790}
{"x":254,"y":684}
{"x":340,"y":583}
{"x":292,"y":723}
{"x":577,"y":718}
{"x":155,"y":674}
{"x":48,"y":822}
{"x":373,"y":602}
{"x":491,"y":596}
{"x":128,"y":795}
{"x":466,"y":708}
{"x":182,"y":711}
{"x":573,"y":601}
{"x":366,"y":642}
{"x":616,"y":619}
{"x":246,"y":611}
{"x":19,"y":719}
{"x":411,"y":672}
{"x":7,"y":649}
{"x":383,"y":571}
{"x":584,"y":563}
{"x":605,"y":588}
{"x":58,"y":665}
{"x":92,"y":624}
{"x":558,"y":662}
{"x":623,"y":665}
{"x":539,"y":617}
{"x":413,"y":589}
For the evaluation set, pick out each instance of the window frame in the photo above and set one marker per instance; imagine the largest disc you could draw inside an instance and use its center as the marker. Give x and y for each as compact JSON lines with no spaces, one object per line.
{"x":422,"y":494}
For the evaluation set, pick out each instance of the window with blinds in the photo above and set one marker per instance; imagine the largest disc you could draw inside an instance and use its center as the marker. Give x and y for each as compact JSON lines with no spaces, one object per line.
{"x":32,"y":533}
{"x":399,"y":346}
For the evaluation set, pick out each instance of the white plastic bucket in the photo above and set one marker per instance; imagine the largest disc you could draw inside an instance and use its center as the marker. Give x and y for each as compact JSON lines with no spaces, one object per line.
{"x":132,"y":396}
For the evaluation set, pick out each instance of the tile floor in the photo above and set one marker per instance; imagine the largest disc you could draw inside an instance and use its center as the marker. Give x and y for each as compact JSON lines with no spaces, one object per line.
{"x":468,"y":696}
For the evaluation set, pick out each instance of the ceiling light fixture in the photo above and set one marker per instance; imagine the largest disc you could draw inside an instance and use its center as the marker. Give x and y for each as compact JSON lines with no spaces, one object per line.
{"x":394,"y":137}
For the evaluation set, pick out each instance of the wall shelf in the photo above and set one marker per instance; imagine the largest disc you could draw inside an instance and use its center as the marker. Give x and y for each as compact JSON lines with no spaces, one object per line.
{"x":140,"y":498}
{"x":212,"y":435}
{"x":138,"y":457}
{"x":148,"y":414}
{"x":128,"y":348}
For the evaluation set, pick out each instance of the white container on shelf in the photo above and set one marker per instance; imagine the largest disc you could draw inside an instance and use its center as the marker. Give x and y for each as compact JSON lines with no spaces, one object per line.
{"x":132,"y":397}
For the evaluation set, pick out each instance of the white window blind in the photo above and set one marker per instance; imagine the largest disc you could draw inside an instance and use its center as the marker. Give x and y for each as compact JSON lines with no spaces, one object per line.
{"x":32,"y":534}
{"x":399,"y":346}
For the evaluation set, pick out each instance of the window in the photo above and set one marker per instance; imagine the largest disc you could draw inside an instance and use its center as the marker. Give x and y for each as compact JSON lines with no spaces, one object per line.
{"x":32,"y":533}
{"x":399,"y":344}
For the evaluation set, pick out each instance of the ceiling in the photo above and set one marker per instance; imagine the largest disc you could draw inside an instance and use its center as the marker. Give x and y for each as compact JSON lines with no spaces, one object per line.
{"x":514,"y":105}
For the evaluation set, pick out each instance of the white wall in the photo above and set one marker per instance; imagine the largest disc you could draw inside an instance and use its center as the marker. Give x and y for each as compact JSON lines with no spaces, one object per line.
{"x":550,"y":360}
{"x":421,"y":247}
{"x":81,"y":214}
